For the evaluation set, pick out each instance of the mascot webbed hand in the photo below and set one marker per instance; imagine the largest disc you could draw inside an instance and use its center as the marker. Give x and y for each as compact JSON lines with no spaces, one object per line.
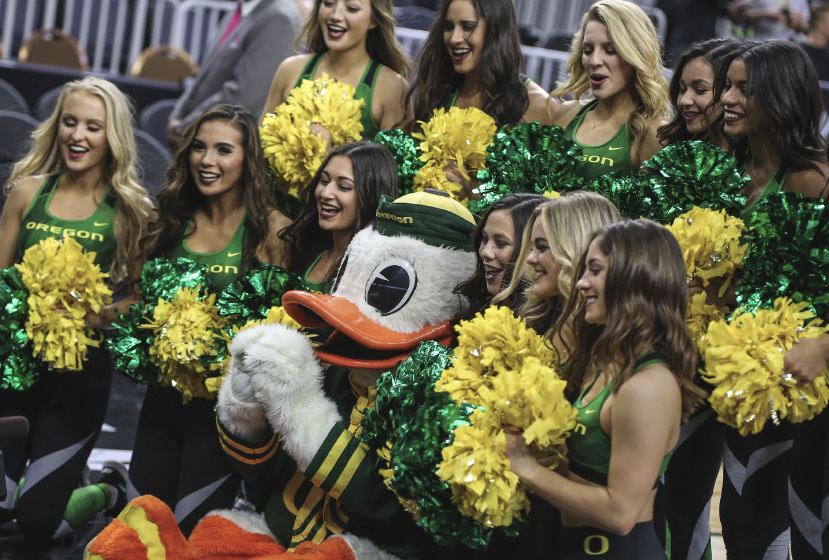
{"x":290,"y":414}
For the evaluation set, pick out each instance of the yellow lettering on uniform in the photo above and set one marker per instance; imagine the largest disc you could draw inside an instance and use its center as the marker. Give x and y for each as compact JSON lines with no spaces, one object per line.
{"x":583,"y":158}
{"x":216,"y":269}
{"x":231,"y":270}
{"x":82,"y":233}
{"x":97,"y":237}
{"x":604,"y":545}
{"x":608,"y":160}
{"x":594,"y":159}
{"x":580,"y":428}
{"x":42,"y":227}
{"x":69,"y":232}
{"x":56,"y":230}
{"x":31,"y":225}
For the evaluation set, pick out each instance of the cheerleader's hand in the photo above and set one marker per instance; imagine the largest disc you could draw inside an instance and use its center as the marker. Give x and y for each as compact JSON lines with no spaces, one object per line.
{"x":807,"y":358}
{"x":287,"y":380}
{"x":238,"y":408}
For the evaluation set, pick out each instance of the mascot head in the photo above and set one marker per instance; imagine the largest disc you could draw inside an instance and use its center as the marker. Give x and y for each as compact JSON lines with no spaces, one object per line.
{"x":396,"y":286}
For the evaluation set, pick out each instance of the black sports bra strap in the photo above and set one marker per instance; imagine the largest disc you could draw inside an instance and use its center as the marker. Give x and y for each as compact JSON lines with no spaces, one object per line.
{"x":373,"y":68}
{"x":308,"y":71}
{"x":51,"y":184}
{"x":780,"y":174}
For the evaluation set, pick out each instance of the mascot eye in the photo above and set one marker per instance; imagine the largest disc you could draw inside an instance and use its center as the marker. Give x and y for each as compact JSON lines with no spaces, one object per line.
{"x":391,"y":286}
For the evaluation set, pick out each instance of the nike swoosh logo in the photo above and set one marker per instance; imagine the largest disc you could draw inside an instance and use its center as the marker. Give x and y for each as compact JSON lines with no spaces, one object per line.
{"x":619,"y":148}
{"x":100,"y":224}
{"x":589,"y":411}
{"x":234,"y":254}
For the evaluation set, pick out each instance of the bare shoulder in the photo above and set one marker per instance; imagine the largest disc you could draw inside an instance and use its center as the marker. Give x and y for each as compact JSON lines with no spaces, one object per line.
{"x":652,"y":384}
{"x":649,"y":146}
{"x":277,"y":221}
{"x":24,"y":190}
{"x":542,"y":107}
{"x":809,"y":182}
{"x":394,"y":85}
{"x":566,"y":111}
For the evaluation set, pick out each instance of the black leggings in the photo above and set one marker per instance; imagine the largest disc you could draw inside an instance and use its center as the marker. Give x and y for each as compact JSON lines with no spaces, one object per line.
{"x":65,"y":411}
{"x":754,"y":505}
{"x":178,"y":458}
{"x":809,"y":487}
{"x":583,"y":543}
{"x":686,"y":488}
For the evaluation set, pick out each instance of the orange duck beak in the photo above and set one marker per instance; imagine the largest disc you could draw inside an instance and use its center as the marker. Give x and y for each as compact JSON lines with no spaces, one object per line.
{"x":357,"y":341}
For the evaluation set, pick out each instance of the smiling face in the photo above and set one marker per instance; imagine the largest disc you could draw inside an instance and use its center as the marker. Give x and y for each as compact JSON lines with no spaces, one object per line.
{"x":696,"y":94}
{"x":497,"y":248}
{"x":345,"y":23}
{"x":217,"y":157}
{"x":592,"y":285}
{"x":82,"y":134}
{"x":463,"y":34}
{"x":547,"y":268}
{"x":736,"y":103}
{"x":608,"y":72}
{"x":337,"y":204}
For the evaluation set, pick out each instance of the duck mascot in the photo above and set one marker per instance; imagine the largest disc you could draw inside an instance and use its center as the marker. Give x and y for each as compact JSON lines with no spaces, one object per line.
{"x":290,"y":415}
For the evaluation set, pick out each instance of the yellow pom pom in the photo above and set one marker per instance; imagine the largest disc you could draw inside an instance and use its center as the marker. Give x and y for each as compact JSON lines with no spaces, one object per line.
{"x":432,"y":177}
{"x":551,"y":194}
{"x":459,"y":136}
{"x":292,"y":149}
{"x":744,"y":360}
{"x":477,"y":469}
{"x":504,"y":367}
{"x":64,"y":286}
{"x":710,"y":242}
{"x":700,"y":315}
{"x":184,"y":332}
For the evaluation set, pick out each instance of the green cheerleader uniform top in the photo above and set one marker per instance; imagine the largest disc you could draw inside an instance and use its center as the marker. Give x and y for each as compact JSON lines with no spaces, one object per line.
{"x":613,"y":155}
{"x":588,"y":446}
{"x":222,"y":266}
{"x":775,"y":185}
{"x":95,"y":233}
{"x":318,"y":287}
{"x":364,"y":90}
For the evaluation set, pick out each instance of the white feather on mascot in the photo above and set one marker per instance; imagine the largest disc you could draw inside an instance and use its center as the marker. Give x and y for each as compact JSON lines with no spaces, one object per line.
{"x":289,"y":415}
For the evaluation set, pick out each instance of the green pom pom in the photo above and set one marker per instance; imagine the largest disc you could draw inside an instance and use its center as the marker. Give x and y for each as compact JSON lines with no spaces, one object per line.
{"x":20,"y":370}
{"x":419,"y":422}
{"x":406,"y":152}
{"x":527,"y":158}
{"x":160,"y":279}
{"x":788,"y":255}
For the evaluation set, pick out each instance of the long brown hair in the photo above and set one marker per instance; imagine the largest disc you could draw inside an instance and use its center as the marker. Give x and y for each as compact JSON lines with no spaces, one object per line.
{"x":646,"y":297}
{"x":180,"y":199}
{"x":505,"y":97}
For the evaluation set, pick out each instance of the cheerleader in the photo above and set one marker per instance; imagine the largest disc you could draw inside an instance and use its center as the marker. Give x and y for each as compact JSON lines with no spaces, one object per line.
{"x":216,"y":211}
{"x":78,"y":180}
{"x":353,"y":42}
{"x":615,"y":55}
{"x":772,"y":107}
{"x":631,"y":365}
{"x":340,"y":200}
{"x":472,"y":58}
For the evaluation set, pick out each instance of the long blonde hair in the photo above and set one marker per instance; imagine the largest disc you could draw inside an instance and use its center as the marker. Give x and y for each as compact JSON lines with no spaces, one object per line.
{"x":132,"y":211}
{"x":381,"y":42}
{"x":634,"y":38}
{"x":569,"y":222}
